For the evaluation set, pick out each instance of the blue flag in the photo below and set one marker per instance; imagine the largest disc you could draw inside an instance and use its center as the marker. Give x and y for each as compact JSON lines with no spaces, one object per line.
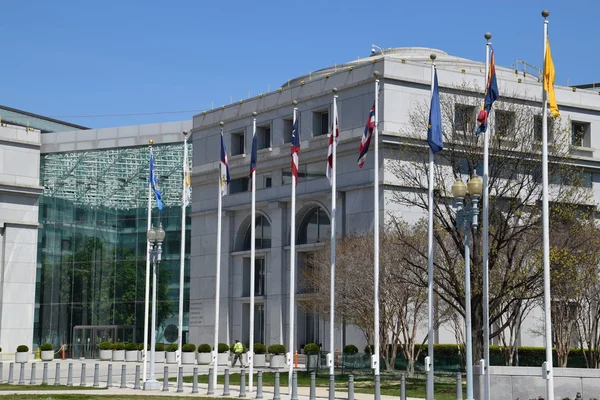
{"x":154,"y":183}
{"x":434,"y":128}
{"x":253,"y":155}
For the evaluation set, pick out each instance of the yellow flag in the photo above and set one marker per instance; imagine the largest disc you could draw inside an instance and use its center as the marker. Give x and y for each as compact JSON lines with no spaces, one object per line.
{"x":549,"y":75}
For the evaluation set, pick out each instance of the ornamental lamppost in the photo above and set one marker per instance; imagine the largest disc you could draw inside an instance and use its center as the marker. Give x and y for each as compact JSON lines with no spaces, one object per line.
{"x":155,"y":239}
{"x":466,"y":216}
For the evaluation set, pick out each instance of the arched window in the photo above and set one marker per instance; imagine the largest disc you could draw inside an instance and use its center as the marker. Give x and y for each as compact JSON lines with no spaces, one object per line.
{"x":315,"y":227}
{"x":263,"y":234}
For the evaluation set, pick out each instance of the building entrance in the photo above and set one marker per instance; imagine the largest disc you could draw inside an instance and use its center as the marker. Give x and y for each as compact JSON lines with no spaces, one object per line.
{"x":87,"y":338}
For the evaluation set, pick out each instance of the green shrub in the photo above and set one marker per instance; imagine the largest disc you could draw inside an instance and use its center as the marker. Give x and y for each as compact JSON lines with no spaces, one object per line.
{"x":350,"y":349}
{"x":159,"y":347}
{"x":204,"y":348}
{"x":119,"y":346}
{"x":223,"y":348}
{"x":311,"y":348}
{"x":188,"y":348}
{"x":172,"y":347}
{"x":131,"y":346}
{"x":46,"y":347}
{"x":278,"y":349}
{"x":369,"y":349}
{"x":140,"y":346}
{"x":260,"y":348}
{"x":105,"y":346}
{"x":22,"y":349}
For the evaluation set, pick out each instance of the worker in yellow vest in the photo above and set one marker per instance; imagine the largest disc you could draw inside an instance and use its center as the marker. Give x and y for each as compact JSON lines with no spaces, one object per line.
{"x":238,"y":350}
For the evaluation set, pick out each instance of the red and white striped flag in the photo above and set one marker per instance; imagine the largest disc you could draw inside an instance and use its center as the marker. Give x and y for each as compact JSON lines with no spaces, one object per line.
{"x":330,"y":160}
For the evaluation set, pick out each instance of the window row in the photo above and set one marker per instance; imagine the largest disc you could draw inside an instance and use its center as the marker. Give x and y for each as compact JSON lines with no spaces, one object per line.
{"x":320,"y":125}
{"x":465,"y":120}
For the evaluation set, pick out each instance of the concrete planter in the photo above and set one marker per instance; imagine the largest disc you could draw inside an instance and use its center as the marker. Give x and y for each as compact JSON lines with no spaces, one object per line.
{"x":118,"y":355}
{"x":21,"y":357}
{"x":277,"y":361}
{"x":159,"y":356}
{"x":260,"y":361}
{"x":47,"y":355}
{"x":223,"y":359}
{"x":188,"y":358}
{"x":204,"y":358}
{"x":171,"y":357}
{"x":106,"y":355}
{"x":131,"y":355}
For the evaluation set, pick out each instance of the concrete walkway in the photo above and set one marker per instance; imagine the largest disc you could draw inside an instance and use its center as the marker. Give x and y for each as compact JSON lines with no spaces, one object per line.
{"x":303,"y":392}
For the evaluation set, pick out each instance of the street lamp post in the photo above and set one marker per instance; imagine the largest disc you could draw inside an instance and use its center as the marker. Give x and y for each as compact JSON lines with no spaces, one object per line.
{"x":155,"y":238}
{"x":466,"y":216}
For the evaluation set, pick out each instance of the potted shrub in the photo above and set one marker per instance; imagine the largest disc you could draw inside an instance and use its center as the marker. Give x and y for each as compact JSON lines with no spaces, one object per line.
{"x":277,"y":352}
{"x":140,"y":356}
{"x":131,"y":352}
{"x":172,"y":353}
{"x":159,"y":353}
{"x":204,"y":354}
{"x":187,"y":353}
{"x":106,"y":350}
{"x":259,"y":355}
{"x":223,"y":354}
{"x":118,"y":351}
{"x":47,"y":352}
{"x":22,"y":355}
{"x":312,"y":351}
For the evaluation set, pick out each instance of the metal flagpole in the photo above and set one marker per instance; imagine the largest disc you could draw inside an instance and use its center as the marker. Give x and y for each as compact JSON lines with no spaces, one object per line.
{"x":546,"y":227}
{"x":252,"y":261}
{"x":147,"y":297}
{"x":218,"y":274}
{"x":292,"y":268}
{"x":182,"y":255}
{"x":332,"y":284}
{"x":485,"y":233}
{"x":429,"y":362}
{"x":375,"y":354}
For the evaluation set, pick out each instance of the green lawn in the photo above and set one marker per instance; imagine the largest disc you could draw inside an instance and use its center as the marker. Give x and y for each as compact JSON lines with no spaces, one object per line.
{"x":445,"y":388}
{"x":14,"y":388}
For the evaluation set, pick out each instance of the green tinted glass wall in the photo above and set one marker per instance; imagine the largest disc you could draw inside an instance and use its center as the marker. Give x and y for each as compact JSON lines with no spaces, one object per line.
{"x":92,"y":242}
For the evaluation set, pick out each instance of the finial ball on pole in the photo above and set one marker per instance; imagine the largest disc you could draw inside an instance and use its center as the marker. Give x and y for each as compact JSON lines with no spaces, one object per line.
{"x":376,"y":74}
{"x":334,"y":90}
{"x":433,"y":56}
{"x":294,"y":102}
{"x":151,"y":141}
{"x":487,"y":36}
{"x":254,"y":114}
{"x":545,"y":13}
{"x":221,"y":123}
{"x":185,"y":133}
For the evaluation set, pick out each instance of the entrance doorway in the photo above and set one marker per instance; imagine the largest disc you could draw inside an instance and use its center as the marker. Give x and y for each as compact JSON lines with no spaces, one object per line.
{"x":87,"y":338}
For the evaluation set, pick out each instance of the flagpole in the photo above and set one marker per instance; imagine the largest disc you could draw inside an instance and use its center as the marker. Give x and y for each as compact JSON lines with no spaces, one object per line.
{"x":218,"y":274}
{"x":485,"y":233}
{"x":292,"y":267}
{"x":182,"y":255}
{"x":332,"y":283}
{"x":375,"y":354}
{"x":252,"y":260}
{"x":546,"y":226}
{"x":147,"y":296}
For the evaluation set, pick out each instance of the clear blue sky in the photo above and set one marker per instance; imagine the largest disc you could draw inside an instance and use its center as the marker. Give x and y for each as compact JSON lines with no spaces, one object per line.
{"x":78,"y":58}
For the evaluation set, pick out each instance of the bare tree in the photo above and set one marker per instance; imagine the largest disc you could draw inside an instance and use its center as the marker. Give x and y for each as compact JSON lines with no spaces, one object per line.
{"x":514,"y":203}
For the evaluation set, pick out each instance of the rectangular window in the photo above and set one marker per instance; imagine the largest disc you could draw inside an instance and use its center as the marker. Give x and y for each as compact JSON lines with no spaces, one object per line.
{"x":259,"y":323}
{"x":505,"y":123}
{"x":288,"y":125}
{"x":580,"y":134}
{"x":306,"y":172}
{"x":263,"y":137}
{"x":259,"y":277}
{"x":464,"y":118}
{"x":239,"y":185}
{"x":238,"y":143}
{"x":264,"y":180}
{"x":320,"y":123}
{"x":537,"y":128}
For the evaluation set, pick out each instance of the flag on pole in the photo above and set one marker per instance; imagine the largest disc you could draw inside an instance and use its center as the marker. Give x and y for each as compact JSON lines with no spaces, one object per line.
{"x":153,"y":178}
{"x":333,"y":138}
{"x":253,"y":155}
{"x":295,"y":149}
{"x":549,"y":76}
{"x":224,"y":169}
{"x":491,"y":95}
{"x":365,"y":141}
{"x":187,"y":187}
{"x":434,"y":128}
